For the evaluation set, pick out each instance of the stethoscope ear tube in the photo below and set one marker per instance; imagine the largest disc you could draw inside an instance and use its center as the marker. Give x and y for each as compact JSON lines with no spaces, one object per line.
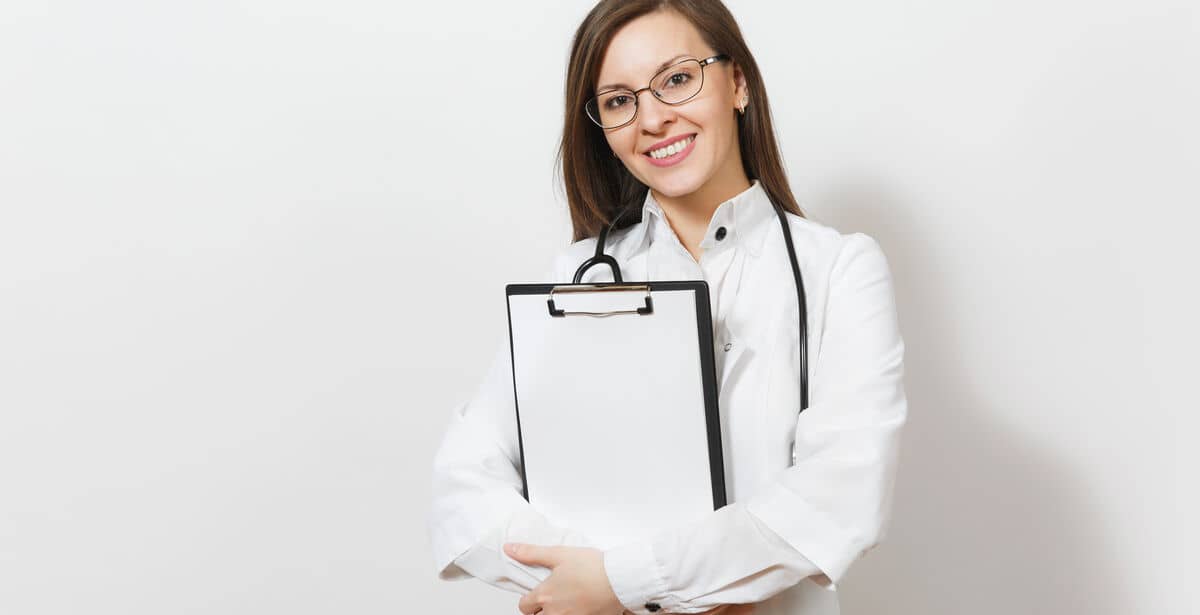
{"x":600,"y":257}
{"x":801,"y":300}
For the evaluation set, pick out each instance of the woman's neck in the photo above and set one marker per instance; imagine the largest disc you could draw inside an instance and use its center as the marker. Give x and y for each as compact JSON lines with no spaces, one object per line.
{"x":690,"y":214}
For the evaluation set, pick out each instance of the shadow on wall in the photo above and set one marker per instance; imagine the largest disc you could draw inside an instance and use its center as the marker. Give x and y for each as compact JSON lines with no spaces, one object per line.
{"x":984,"y":522}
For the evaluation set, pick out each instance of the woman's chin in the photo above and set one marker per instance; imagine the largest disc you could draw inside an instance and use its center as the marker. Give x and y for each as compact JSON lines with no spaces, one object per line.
{"x":676,"y":184}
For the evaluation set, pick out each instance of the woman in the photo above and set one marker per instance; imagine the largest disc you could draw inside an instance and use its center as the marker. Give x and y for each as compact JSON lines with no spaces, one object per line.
{"x":666,"y":110}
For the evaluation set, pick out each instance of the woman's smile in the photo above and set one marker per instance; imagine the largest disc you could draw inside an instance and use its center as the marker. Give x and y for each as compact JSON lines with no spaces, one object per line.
{"x":673,"y":153}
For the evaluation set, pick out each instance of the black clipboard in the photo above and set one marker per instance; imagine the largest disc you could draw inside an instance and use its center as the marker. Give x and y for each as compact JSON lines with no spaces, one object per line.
{"x":615,"y":391}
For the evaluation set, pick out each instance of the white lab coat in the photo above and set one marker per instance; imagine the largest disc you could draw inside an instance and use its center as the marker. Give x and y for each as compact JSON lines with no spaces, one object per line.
{"x":809,"y":493}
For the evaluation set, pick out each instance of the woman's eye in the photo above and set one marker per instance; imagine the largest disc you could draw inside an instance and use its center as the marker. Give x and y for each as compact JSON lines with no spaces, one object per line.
{"x":616,"y":102}
{"x":678,"y":79}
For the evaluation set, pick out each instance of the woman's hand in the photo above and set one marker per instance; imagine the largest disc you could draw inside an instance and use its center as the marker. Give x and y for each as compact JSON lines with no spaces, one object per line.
{"x":578,"y":583}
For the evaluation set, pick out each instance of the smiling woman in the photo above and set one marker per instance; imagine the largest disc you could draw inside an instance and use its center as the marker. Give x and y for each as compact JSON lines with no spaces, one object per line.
{"x":659,"y":44}
{"x":666,"y":109}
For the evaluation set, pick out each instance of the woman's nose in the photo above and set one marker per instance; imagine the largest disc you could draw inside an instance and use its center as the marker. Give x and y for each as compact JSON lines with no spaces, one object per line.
{"x":652,"y":112}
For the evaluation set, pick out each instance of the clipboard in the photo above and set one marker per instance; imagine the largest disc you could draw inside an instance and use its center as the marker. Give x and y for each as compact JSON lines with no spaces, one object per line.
{"x":615,"y":392}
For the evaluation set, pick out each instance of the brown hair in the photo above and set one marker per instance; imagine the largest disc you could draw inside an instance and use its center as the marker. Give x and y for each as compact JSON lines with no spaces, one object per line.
{"x":598,"y":186}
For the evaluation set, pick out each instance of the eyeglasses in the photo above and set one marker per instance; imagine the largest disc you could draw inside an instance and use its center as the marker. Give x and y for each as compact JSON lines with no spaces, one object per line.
{"x":674,"y":85}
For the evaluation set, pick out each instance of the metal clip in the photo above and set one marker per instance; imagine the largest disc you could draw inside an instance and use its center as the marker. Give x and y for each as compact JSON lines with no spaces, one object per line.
{"x":587,"y":288}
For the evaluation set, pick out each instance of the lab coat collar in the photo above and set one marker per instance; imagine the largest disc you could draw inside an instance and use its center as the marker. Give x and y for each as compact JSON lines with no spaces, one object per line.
{"x":746,"y":217}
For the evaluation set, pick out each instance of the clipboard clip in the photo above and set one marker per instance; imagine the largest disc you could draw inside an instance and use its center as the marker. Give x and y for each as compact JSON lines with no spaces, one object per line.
{"x":590,"y":288}
{"x":600,"y":258}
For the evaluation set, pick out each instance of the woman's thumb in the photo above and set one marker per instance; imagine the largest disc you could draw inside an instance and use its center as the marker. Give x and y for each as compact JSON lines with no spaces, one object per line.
{"x":531,"y":554}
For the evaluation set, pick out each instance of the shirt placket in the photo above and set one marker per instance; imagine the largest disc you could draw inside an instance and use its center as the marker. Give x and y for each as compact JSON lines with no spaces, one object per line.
{"x":726,"y":272}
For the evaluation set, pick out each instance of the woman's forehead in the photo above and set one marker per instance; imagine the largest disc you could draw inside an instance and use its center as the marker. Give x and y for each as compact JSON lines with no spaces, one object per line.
{"x":642,"y":46}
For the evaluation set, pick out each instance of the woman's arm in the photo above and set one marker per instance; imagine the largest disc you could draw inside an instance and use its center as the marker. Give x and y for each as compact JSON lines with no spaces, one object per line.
{"x":821,"y":514}
{"x":477,"y":501}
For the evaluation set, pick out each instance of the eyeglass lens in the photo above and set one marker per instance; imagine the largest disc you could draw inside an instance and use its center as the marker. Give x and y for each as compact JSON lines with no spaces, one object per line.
{"x":673,"y":85}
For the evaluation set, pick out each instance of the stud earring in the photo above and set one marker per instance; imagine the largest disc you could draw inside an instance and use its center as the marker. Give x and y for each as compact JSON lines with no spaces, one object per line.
{"x":742,"y":107}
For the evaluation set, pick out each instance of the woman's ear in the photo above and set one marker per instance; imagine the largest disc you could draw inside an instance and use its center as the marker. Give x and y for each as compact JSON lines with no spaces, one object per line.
{"x":741,"y":91}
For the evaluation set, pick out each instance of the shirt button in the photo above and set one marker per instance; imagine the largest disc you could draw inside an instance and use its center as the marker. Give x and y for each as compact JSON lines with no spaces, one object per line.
{"x":652,"y":606}
{"x":720,"y":233}
{"x":728,"y":346}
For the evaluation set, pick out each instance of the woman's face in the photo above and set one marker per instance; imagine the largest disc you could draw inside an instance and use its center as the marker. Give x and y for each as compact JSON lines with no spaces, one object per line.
{"x":632,"y":58}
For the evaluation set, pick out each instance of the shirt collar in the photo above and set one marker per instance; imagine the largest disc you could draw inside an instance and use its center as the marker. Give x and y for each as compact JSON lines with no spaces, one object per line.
{"x":745,"y":217}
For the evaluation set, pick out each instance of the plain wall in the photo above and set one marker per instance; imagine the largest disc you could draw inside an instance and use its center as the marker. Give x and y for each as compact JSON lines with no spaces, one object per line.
{"x":252,"y":254}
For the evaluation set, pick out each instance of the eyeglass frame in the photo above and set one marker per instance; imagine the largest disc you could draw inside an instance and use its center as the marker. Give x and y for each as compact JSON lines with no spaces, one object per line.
{"x":637,"y":93}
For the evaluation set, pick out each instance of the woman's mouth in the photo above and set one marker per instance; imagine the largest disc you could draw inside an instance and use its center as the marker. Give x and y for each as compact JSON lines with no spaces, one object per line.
{"x":673,"y":153}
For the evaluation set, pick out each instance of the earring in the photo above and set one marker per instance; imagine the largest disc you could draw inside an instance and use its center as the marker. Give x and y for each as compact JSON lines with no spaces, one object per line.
{"x":742,"y":107}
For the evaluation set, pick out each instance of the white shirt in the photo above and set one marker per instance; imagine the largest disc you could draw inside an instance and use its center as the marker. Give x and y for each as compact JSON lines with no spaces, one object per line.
{"x":809,"y":493}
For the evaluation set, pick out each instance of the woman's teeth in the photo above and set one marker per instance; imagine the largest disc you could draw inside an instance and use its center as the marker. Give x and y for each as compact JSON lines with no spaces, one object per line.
{"x":672,"y":149}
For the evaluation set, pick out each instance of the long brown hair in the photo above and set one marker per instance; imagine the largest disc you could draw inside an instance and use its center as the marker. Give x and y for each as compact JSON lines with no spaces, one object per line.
{"x":598,"y":186}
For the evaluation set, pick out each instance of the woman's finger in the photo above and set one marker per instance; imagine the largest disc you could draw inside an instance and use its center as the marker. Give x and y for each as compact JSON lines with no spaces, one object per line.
{"x":530,"y":603}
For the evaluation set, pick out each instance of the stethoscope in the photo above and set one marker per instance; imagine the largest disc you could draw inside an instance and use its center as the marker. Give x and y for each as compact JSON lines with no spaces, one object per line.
{"x":601,"y":258}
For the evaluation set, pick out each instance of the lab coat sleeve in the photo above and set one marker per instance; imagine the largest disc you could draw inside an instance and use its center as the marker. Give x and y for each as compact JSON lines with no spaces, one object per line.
{"x":477,"y":502}
{"x":818,"y":516}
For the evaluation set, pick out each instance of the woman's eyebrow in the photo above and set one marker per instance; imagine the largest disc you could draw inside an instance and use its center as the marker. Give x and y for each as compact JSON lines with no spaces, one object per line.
{"x":660,"y":67}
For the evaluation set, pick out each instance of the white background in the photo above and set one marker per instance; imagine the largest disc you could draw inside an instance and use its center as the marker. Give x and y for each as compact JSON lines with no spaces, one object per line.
{"x":252,"y":253}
